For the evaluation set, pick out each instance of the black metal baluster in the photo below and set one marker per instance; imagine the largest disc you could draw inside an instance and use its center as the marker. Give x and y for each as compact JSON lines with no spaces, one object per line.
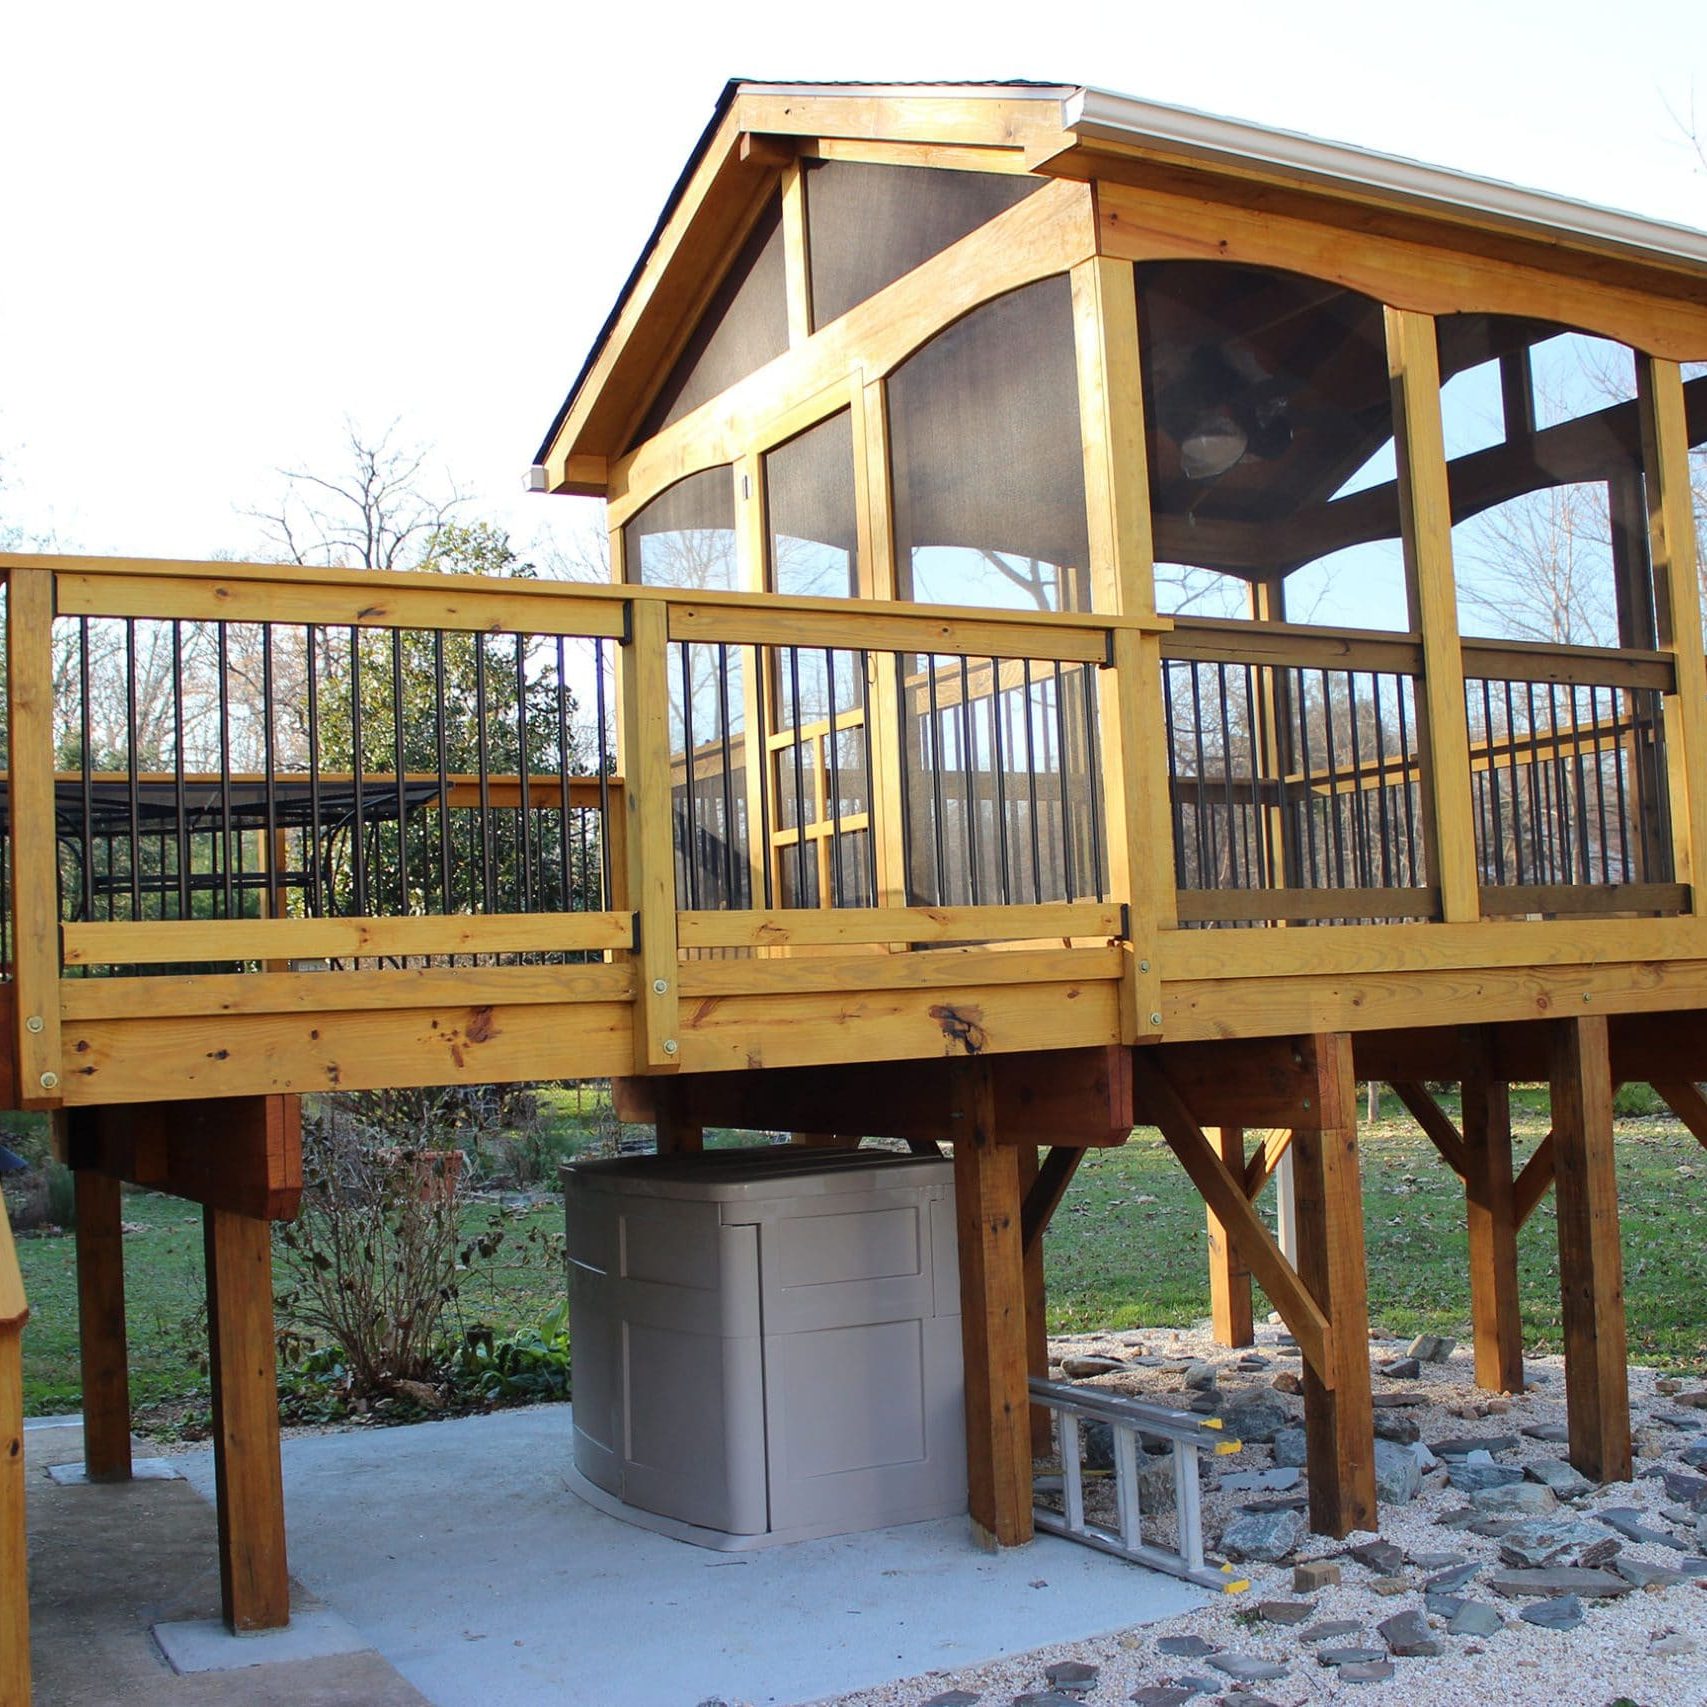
{"x":524,"y":776}
{"x":942,"y":896}
{"x":730,"y":896}
{"x":1035,"y":827}
{"x":358,"y":773}
{"x":441,"y":754}
{"x":969,"y":770}
{"x":222,"y":649}
{"x":483,"y":758}
{"x":998,"y":715}
{"x":1068,"y":873}
{"x":833,"y":761}
{"x":690,"y":837}
{"x":565,"y":805}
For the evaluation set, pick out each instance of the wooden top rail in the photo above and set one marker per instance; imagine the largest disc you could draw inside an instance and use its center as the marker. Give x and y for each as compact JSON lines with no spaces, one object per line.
{"x":1281,"y":645}
{"x":288,"y":592}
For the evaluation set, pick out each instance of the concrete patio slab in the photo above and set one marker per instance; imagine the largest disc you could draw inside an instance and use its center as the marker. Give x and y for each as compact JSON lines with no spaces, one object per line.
{"x":459,"y":1552}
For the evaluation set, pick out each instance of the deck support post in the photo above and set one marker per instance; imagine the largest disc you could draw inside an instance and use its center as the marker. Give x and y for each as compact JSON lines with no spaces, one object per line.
{"x":1591,"y":1279}
{"x":1036,"y":1307}
{"x":1339,"y":1418}
{"x":254,"y":1582}
{"x":992,"y":1314}
{"x":1229,"y":1275}
{"x":1491,"y":1212}
{"x":101,"y":1328}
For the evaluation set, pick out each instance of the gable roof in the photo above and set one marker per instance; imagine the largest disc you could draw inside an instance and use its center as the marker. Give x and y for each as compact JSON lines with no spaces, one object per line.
{"x":1055,"y":125}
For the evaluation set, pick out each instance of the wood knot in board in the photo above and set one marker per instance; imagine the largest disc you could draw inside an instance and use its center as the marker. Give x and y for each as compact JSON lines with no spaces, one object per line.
{"x":963,"y":1026}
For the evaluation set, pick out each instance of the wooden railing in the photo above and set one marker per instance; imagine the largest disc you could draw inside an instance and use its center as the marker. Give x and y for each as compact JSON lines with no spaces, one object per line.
{"x":257,"y":795}
{"x":14,"y":1559}
{"x":228,"y":782}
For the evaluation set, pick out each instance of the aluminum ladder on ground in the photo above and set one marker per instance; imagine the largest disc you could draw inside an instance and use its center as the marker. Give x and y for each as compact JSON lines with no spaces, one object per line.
{"x":1127,"y":1419}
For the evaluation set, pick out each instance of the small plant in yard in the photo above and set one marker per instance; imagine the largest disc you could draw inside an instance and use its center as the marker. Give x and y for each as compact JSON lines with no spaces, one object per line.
{"x":531,"y":1364}
{"x":375,"y":1255}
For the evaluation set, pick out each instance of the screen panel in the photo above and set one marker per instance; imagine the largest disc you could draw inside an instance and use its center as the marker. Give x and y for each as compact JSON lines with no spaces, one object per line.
{"x":869,"y":225}
{"x":685,"y":537}
{"x":987,"y":464}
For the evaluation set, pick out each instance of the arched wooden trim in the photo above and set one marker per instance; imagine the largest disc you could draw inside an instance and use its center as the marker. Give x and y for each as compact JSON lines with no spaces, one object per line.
{"x":1148,"y":225}
{"x":1045,"y":234}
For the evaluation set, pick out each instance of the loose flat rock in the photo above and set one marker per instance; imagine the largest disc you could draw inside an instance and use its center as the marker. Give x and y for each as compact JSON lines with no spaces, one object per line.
{"x":1564,"y":1612}
{"x":1532,"y":1546}
{"x":1692,"y":1490}
{"x":1257,"y":1416}
{"x":1436,"y":1561}
{"x":1367,"y":1671}
{"x":1474,"y":1478}
{"x":1262,"y":1481}
{"x":1493,"y":1528}
{"x":1290,"y":1448}
{"x":1475,"y":1618}
{"x":1559,"y":1580}
{"x":1285,"y":1611}
{"x":954,"y":1698}
{"x":1046,"y":1698}
{"x":1444,"y":1582}
{"x":1381,"y":1557}
{"x":1461,"y":1446}
{"x":1070,"y":1674}
{"x":1248,"y":1668}
{"x":1348,"y":1656}
{"x":1400,"y":1369}
{"x":1439,"y":1605}
{"x":1463,"y":1518}
{"x":1397,"y":1426}
{"x":1200,"y":1377}
{"x":1398,"y":1401}
{"x":1161,"y":1695}
{"x":1639,"y":1575}
{"x":1407,"y":1636}
{"x":1695,"y":1455}
{"x":1431,"y":1348}
{"x":1566,"y":1480}
{"x":1184,"y":1647}
{"x":1084,"y":1368}
{"x":1287,"y":1382}
{"x":1599,"y":1554}
{"x":1628,"y":1522}
{"x":1554,"y":1434}
{"x":1674,"y":1646}
{"x":1330,"y":1630}
{"x":1515,"y":1499}
{"x":1398,"y":1476}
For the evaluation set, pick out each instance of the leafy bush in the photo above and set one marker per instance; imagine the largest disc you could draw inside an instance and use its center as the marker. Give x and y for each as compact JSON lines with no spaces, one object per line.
{"x":1632,"y":1101}
{"x":531,"y":1364}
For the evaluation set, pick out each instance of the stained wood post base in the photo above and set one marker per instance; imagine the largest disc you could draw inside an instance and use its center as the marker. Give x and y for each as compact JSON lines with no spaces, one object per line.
{"x":1591,"y":1267}
{"x":1229,"y":1274}
{"x":1491,"y":1213}
{"x":101,"y":1328}
{"x":254,"y":1583}
{"x":1339,"y":1419}
{"x":992,"y":1314}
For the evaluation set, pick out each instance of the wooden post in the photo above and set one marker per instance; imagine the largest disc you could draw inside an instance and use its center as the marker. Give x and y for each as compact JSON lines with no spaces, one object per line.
{"x":646,"y":770}
{"x":254,"y":1582}
{"x":1491,"y":1210}
{"x":1591,"y":1279}
{"x":992,"y":1314}
{"x":1425,"y":513}
{"x":1229,"y":1275}
{"x":101,"y":1328}
{"x":1338,"y":1419}
{"x":14,"y":1546}
{"x":35,"y":849}
{"x":1036,"y":1301}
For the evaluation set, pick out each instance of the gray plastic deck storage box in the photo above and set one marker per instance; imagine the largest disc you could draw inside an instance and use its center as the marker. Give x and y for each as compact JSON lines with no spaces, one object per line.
{"x":766,"y":1342}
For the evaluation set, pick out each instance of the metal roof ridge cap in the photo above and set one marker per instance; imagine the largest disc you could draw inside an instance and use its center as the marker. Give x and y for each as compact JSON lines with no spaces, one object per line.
{"x":971,"y":91}
{"x":1091,"y":111}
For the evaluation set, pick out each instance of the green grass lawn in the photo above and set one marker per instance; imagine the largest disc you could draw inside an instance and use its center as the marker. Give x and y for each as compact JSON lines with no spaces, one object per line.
{"x":1127,"y":1250}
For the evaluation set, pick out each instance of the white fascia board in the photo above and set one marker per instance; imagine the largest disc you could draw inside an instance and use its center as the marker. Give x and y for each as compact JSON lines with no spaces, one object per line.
{"x":1098,"y":113}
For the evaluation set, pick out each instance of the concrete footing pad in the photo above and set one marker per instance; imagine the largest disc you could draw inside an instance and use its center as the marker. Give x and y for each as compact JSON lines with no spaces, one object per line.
{"x":204,"y":1644}
{"x":141,"y":1470}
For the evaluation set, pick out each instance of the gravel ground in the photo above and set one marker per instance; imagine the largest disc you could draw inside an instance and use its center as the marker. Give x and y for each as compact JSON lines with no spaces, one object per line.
{"x":1610,"y":1657}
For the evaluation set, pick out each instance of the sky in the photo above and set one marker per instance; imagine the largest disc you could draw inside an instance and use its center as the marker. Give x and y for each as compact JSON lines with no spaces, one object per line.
{"x":231,"y":231}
